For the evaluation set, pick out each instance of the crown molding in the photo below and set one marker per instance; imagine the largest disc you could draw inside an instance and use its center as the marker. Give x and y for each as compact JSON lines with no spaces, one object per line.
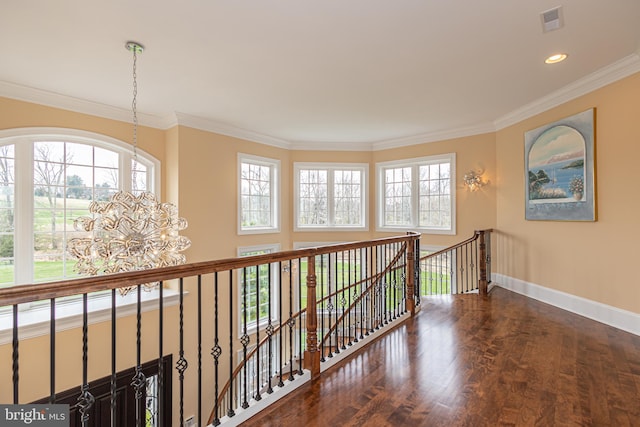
{"x":600,"y":78}
{"x":200,"y":123}
{"x":478,"y":129}
{"x":56,"y":100}
{"x":611,"y":73}
{"x":330,"y":146}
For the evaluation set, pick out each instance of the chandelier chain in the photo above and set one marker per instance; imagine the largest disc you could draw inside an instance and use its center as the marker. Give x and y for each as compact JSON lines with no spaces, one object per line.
{"x":134,"y":105}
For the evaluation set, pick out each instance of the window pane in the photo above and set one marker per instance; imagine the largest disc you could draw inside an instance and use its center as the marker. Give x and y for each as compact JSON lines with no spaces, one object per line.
{"x":398,"y":197}
{"x":255,"y":195}
{"x":347,"y":197}
{"x":313,"y":197}
{"x":254,"y":291}
{"x":434,"y":191}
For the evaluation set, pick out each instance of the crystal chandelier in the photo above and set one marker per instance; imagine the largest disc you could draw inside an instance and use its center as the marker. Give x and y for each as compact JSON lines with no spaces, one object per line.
{"x":130,"y":231}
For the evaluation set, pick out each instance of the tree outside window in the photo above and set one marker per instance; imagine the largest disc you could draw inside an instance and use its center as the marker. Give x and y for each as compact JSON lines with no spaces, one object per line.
{"x":330,"y":195}
{"x":417,"y":194}
{"x":258,"y":194}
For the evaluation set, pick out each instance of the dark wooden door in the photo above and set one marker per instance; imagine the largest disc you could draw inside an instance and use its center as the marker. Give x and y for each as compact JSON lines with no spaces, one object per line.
{"x":100,"y":412}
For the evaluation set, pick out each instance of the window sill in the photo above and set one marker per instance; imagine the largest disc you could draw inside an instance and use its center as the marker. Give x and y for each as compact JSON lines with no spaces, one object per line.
{"x":421,"y":230}
{"x":34,"y":321}
{"x":331,"y":228}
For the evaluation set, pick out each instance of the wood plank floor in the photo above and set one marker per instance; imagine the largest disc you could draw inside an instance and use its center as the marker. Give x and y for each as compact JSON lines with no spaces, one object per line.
{"x":506,"y":360}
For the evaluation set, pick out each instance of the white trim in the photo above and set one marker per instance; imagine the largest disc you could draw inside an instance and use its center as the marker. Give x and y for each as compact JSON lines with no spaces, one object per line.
{"x":229,"y":130}
{"x":415,"y":202}
{"x":437,"y":136}
{"x":242,"y":415}
{"x":331,"y":146}
{"x":70,"y":103}
{"x":611,"y":73}
{"x":275,"y":192}
{"x":34,"y":321}
{"x":399,"y":321}
{"x":599,"y":78}
{"x":331,"y":167}
{"x":603,"y":313}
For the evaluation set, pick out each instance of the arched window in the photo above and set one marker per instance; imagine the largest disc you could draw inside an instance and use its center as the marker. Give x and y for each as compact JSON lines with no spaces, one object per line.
{"x":48,"y":177}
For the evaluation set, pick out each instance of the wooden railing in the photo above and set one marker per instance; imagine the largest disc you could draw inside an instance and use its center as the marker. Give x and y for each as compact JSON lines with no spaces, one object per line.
{"x":319,"y":302}
{"x":461,"y":268}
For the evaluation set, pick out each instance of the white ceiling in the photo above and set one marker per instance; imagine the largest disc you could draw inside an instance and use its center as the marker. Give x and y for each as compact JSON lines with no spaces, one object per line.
{"x":300,"y":71}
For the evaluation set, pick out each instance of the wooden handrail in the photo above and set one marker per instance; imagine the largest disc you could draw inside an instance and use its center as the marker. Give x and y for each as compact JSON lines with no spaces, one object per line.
{"x":20,"y":294}
{"x":476,"y":235}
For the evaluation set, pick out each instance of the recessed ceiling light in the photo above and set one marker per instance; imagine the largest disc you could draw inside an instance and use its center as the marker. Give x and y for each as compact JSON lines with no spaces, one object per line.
{"x":554,"y":59}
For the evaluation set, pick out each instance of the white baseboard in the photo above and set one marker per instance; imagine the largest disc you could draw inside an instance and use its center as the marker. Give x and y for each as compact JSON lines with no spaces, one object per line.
{"x":603,"y":313}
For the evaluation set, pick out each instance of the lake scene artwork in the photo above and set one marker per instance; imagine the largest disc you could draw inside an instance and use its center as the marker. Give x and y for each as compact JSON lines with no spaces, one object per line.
{"x":559,"y":170}
{"x":556,"y":166}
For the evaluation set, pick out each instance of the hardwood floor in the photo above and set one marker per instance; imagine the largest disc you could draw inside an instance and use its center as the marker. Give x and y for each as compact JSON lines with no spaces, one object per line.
{"x":506,"y":360}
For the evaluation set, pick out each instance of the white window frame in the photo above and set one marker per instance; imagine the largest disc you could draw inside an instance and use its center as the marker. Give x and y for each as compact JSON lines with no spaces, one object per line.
{"x":274,"y":167}
{"x":252,"y":326}
{"x":23,"y":140}
{"x":34,"y":317}
{"x":331,"y":168}
{"x":415,"y":163}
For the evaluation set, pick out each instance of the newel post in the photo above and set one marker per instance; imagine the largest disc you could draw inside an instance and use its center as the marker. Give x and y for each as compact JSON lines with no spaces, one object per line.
{"x":311,"y":353}
{"x":482,"y":283}
{"x":411,"y":277}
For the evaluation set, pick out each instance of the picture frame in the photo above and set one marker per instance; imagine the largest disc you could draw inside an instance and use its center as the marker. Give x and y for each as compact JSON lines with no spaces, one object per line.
{"x":560,"y":176}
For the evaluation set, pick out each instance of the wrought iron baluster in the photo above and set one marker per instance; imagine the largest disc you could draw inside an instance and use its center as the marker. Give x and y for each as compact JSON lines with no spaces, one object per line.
{"x":139,"y":381}
{"x":15,"y":356}
{"x":86,"y":399}
{"x":322,"y":309}
{"x":330,"y":306}
{"x":257,"y":395}
{"x":216,"y":352}
{"x":363,"y":289}
{"x":302,"y":320}
{"x":113,"y":386}
{"x":52,"y":351}
{"x":161,"y":400}
{"x":244,"y":340}
{"x":477,"y":265}
{"x":230,"y":411}
{"x":181,"y":364}
{"x":280,"y":343}
{"x":348,"y":285}
{"x":291,"y":322}
{"x":269,"y":330}
{"x":199,"y":349}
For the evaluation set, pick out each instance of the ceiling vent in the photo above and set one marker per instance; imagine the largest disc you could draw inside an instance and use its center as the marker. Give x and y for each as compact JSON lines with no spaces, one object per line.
{"x":552,"y":19}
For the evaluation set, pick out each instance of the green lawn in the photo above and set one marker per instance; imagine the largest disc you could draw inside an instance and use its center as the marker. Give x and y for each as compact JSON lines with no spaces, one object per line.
{"x":42,"y":270}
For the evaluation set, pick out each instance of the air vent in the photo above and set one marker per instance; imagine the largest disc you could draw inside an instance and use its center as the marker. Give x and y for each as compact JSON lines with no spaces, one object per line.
{"x":552,"y":19}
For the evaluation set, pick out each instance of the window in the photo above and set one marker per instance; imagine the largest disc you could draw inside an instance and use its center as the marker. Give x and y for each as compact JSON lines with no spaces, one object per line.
{"x":257,"y":290}
{"x":46,"y":181}
{"x":417,"y":194}
{"x":330,"y":195}
{"x":258,"y":194}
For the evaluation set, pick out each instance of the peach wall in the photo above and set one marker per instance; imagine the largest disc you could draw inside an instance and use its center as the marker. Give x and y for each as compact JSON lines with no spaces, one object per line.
{"x":593,"y":260}
{"x":208,"y":193}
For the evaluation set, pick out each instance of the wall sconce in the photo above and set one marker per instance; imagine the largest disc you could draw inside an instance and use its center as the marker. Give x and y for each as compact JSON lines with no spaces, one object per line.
{"x":473,"y":180}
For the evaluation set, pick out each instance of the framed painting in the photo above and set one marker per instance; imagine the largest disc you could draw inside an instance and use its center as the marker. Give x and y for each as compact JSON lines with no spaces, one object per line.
{"x":560,"y":170}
